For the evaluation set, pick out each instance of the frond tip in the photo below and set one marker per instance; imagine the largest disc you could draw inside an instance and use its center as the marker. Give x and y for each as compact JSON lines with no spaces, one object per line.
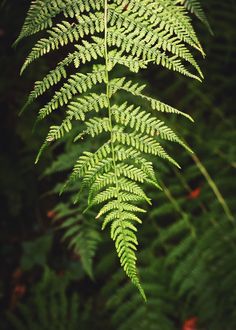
{"x":122,"y":232}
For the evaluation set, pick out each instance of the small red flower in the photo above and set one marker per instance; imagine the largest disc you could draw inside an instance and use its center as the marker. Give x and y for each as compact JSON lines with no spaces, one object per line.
{"x":51,"y":214}
{"x":190,"y":324}
{"x":194,"y":193}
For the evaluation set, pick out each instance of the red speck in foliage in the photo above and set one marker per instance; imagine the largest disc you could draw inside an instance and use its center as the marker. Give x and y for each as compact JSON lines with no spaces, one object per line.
{"x":17,"y":274}
{"x":61,"y":273}
{"x":125,"y":8}
{"x":75,"y":256}
{"x":17,"y":293}
{"x":51,"y":214}
{"x":19,"y":290}
{"x":194,"y":193}
{"x":190,"y":324}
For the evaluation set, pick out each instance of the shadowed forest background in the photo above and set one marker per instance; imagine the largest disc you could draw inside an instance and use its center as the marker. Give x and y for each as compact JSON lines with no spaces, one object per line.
{"x":58,"y":269}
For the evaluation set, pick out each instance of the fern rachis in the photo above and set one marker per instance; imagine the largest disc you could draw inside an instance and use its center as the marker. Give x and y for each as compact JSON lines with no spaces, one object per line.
{"x":127,"y":33}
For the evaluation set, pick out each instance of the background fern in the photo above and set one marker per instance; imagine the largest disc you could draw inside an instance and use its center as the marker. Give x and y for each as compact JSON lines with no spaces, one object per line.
{"x":50,"y":307}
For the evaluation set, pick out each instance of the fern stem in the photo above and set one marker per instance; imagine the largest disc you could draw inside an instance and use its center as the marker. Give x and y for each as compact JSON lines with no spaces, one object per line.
{"x":108,"y":91}
{"x":179,"y":209}
{"x":214,"y":187}
{"x":109,"y":105}
{"x":109,"y":101}
{"x":107,"y":82}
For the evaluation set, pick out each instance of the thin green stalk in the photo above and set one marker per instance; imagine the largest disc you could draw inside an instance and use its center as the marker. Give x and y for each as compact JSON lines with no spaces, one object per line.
{"x":187,"y":187}
{"x":214,"y":187}
{"x":178,"y":209}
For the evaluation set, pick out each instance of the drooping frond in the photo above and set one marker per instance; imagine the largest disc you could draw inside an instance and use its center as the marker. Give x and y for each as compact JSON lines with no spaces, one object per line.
{"x":77,"y":83}
{"x":65,"y":33}
{"x":84,"y":53}
{"x":42,"y":12}
{"x":80,"y":234}
{"x":194,"y":6}
{"x":48,"y":303}
{"x":108,"y":35}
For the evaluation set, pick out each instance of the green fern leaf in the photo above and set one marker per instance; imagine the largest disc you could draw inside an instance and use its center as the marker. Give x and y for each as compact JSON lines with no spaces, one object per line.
{"x":129,"y":34}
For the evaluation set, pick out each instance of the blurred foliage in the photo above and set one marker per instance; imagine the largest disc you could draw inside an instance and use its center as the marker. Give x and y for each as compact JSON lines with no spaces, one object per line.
{"x":35,"y":252}
{"x":187,"y":241}
{"x":50,"y":308}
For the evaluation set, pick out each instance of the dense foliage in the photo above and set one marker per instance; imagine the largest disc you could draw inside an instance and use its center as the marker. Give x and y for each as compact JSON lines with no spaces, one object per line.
{"x":186,"y":254}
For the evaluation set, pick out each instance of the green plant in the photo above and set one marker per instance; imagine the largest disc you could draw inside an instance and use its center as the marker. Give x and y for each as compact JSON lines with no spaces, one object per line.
{"x":49,"y":307}
{"x":35,"y":252}
{"x":119,"y":33}
{"x":195,"y":7}
{"x":82,"y":234}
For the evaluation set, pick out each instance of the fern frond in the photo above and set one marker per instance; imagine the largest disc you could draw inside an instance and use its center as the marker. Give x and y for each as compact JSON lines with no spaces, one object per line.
{"x":50,"y":305}
{"x":144,"y":123}
{"x":130,"y":34}
{"x":78,"y":83}
{"x":158,"y":36}
{"x":41,"y":13}
{"x":82,"y":236}
{"x":143,"y":143}
{"x":126,"y":242}
{"x":89,"y":160}
{"x":82,"y":105}
{"x":85,"y":53}
{"x":195,"y":7}
{"x":136,"y":89}
{"x":65,"y":33}
{"x":166,"y":14}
